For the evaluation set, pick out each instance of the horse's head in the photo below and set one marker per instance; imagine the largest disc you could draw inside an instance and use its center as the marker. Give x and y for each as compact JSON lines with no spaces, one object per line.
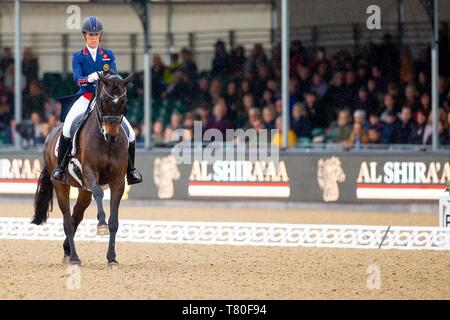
{"x":111,"y":101}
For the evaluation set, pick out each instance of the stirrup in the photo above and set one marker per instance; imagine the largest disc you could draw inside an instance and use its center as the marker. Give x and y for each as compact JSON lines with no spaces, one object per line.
{"x":59,"y":174}
{"x":134,"y":177}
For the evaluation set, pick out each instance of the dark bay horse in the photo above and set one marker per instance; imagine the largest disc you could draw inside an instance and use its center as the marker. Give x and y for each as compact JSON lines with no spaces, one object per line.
{"x":102,"y":152}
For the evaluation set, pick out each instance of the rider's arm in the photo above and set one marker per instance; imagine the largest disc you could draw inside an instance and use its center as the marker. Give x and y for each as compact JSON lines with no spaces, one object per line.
{"x":77,"y":70}
{"x":113,"y":64}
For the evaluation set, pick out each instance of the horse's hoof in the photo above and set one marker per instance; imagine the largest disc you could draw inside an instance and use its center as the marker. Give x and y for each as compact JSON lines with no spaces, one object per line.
{"x":103,"y":230}
{"x":76,"y":263}
{"x":113,"y":265}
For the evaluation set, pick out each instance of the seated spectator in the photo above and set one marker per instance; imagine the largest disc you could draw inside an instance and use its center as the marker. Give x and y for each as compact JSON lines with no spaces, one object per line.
{"x":269,"y":118}
{"x":175,"y":123}
{"x":267,"y":98}
{"x":404,"y":128}
{"x":39,"y":139}
{"x":253,"y":115}
{"x":38,"y":125}
{"x":188,"y":125}
{"x":180,"y":88}
{"x":442,"y":132}
{"x":410,"y":99}
{"x":319,"y":86}
{"x":317,"y":113}
{"x":158,"y":134}
{"x":388,"y":106}
{"x":248,"y":102}
{"x":374,"y":122}
{"x":365,"y":102}
{"x":215,"y":90}
{"x":277,"y":138}
{"x":203,"y":94}
{"x":419,"y":128}
{"x":220,"y":119}
{"x":425,"y":103}
{"x":359,"y":116}
{"x":340,"y":130}
{"x":204,"y":114}
{"x":389,"y":125}
{"x":373,"y":135}
{"x":358,"y":136}
{"x":300,"y":123}
{"x":34,"y":101}
{"x":6,"y":113}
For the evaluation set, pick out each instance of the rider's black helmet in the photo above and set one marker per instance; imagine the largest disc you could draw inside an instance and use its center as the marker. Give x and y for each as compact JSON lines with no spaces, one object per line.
{"x":92,"y":24}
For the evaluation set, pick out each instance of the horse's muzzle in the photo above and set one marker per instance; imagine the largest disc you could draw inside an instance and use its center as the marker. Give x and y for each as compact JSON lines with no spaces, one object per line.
{"x":111,"y":138}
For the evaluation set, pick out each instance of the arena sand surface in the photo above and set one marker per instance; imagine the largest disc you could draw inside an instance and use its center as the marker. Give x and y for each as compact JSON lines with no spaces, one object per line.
{"x":34,"y":269}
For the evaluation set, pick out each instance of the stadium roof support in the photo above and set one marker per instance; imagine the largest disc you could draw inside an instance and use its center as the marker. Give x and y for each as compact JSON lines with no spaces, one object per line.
{"x":435,"y":74}
{"x":17,"y":73}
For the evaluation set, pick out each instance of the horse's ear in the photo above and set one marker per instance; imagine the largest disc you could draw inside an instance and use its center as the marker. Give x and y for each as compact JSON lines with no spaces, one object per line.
{"x":128,"y":79}
{"x":101,"y":77}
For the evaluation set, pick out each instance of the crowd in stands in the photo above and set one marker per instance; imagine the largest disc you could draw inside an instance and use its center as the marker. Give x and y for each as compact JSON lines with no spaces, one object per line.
{"x":379,"y":95}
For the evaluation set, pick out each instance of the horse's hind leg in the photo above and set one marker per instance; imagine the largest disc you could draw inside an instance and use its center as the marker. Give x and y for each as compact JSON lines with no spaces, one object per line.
{"x":116,"y":195}
{"x":62,"y":193}
{"x":83,"y":201}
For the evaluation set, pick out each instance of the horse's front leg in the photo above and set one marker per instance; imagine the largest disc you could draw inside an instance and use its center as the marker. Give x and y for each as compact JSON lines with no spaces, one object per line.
{"x":97,"y":192}
{"x":117,"y":190}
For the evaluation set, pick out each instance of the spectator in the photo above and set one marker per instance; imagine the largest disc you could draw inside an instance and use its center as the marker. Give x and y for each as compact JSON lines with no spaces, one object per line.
{"x":238,"y":60}
{"x":319,"y":86}
{"x":417,"y":133}
{"x":374,"y":122}
{"x":30,"y":67}
{"x":188,"y":65}
{"x":34,"y":101}
{"x":277,"y":138}
{"x":204,"y":114}
{"x":158,"y":133}
{"x":388,"y":106}
{"x":390,"y":124}
{"x":359,"y":116}
{"x":6,"y":60}
{"x":253,"y":114}
{"x":300,"y":123}
{"x":341,"y":129}
{"x":358,"y":136}
{"x":269,"y":117}
{"x":365,"y":102}
{"x":220,"y":119}
{"x":5,"y":112}
{"x":221,"y":62}
{"x":404,"y":128}
{"x":373,"y":135}
{"x":317,"y":113}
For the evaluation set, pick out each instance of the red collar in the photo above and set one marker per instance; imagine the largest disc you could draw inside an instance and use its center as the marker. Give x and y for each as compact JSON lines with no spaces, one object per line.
{"x":86,"y":51}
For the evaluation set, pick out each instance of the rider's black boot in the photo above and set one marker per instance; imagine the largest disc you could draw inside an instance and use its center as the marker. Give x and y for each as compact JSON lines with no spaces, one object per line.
{"x":133,"y":175}
{"x":63,"y":156}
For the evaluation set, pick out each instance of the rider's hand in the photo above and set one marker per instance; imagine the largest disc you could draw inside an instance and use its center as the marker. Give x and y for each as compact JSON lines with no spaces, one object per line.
{"x":93,"y":77}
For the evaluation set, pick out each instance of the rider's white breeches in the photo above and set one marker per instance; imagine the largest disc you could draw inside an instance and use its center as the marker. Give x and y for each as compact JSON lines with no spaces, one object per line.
{"x":79,"y":107}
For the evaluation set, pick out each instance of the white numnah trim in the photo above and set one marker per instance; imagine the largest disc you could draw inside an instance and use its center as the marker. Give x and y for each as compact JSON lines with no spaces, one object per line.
{"x":243,"y":234}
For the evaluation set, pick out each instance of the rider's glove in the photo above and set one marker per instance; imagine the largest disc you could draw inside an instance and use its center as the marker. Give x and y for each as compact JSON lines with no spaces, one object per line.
{"x":93,"y":77}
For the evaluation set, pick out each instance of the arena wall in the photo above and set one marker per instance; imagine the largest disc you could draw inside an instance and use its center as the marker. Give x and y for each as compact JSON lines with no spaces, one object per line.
{"x":352,"y":177}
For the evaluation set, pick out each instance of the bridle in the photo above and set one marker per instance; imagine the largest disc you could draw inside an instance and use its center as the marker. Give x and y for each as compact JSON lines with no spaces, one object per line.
{"x":102,"y":118}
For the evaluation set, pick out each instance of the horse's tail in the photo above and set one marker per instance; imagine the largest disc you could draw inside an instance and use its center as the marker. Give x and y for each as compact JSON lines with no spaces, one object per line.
{"x":43,"y":199}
